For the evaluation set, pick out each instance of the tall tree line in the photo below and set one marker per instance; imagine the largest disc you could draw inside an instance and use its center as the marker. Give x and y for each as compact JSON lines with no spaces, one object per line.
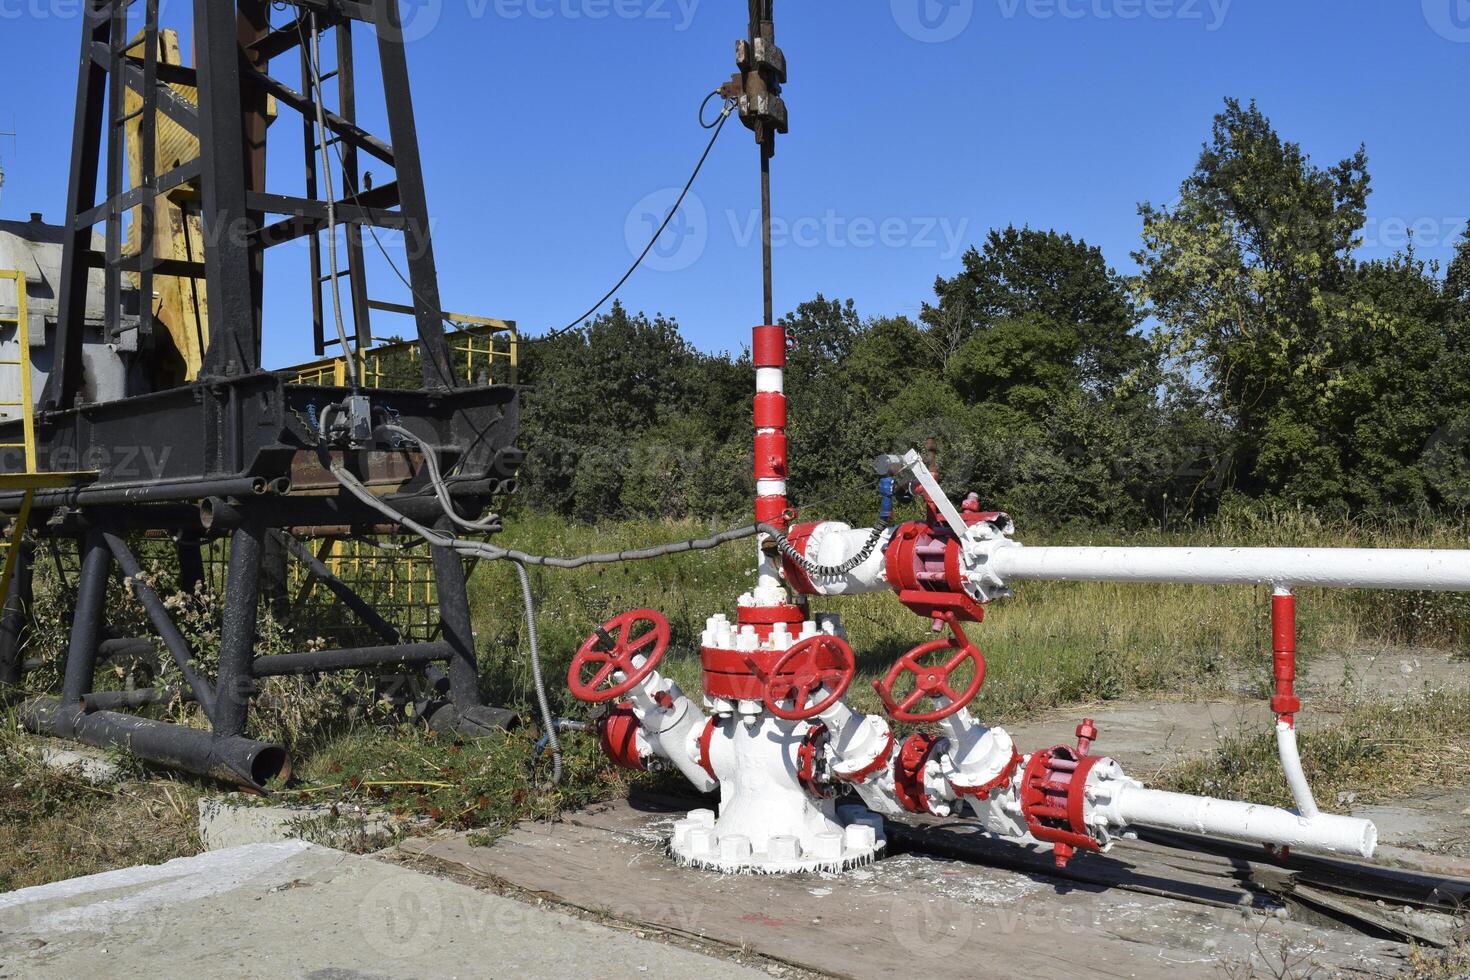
{"x":1252,"y":355}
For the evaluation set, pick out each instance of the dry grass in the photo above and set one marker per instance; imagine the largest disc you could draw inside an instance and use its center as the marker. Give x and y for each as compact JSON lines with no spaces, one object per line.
{"x":1378,"y":751}
{"x":54,"y":825}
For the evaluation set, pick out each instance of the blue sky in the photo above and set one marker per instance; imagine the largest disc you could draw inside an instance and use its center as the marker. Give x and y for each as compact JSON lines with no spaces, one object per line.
{"x":553,"y":129}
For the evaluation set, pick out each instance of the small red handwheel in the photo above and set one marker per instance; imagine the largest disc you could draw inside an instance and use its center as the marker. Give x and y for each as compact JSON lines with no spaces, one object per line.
{"x":809,"y":666}
{"x":933,"y":681}
{"x":612,"y":649}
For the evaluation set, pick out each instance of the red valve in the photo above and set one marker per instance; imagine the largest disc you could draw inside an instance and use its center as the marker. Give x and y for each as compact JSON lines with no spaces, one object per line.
{"x":622,"y":636}
{"x":809,"y":666}
{"x":933,"y":681}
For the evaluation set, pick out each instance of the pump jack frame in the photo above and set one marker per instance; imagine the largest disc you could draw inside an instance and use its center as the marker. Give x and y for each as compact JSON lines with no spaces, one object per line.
{"x":234,"y":456}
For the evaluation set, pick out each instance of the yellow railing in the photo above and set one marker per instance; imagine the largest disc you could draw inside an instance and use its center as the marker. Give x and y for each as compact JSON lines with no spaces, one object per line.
{"x":30,"y":477}
{"x":474,"y":347}
{"x":22,"y":360}
{"x":400,"y":584}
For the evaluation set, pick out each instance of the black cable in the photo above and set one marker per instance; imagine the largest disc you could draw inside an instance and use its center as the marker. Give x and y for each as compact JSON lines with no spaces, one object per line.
{"x":705,"y":105}
{"x":718,"y":128}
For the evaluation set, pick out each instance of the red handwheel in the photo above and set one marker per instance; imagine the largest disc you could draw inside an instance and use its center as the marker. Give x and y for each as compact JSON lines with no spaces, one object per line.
{"x":933,"y":681}
{"x":611,"y":650}
{"x":811,"y":665}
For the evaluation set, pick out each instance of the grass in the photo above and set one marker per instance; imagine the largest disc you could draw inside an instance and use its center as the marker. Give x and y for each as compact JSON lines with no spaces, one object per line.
{"x":1052,"y":644}
{"x":1377,"y":751}
{"x":54,"y":825}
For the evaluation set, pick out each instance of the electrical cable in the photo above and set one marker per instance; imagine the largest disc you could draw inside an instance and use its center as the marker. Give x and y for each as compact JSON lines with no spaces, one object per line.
{"x":718,"y":127}
{"x":481,"y":550}
{"x":826,"y":571}
{"x":547,"y":718}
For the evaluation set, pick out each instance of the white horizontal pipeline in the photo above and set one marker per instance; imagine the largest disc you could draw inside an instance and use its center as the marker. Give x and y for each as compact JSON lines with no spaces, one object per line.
{"x":1252,"y":822}
{"x":1354,"y":568}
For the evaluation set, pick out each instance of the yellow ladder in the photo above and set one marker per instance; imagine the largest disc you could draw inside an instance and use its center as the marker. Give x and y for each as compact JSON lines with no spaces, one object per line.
{"x":30,"y":478}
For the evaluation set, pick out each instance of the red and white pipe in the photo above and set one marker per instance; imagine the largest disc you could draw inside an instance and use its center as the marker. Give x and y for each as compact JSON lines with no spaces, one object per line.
{"x":768,"y":351}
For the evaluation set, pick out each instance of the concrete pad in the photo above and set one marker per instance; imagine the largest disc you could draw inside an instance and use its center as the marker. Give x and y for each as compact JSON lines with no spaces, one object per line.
{"x":234,"y":821}
{"x":85,"y":763}
{"x":298,"y":910}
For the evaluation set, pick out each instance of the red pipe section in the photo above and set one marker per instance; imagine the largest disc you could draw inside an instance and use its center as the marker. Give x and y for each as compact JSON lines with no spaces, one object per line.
{"x":1283,"y":654}
{"x":768,"y":350}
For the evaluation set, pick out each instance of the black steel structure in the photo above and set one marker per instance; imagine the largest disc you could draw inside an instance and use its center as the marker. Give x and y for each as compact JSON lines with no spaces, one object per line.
{"x":239,"y":455}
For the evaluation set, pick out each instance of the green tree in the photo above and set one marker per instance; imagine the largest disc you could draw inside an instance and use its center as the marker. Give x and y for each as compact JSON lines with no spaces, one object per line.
{"x":1064,"y":297}
{"x":1248,"y":276}
{"x":594,"y":396}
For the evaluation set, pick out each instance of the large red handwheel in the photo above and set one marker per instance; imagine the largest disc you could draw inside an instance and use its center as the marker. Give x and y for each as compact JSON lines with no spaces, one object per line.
{"x":611,"y":651}
{"x":809,"y":666}
{"x":932,"y":681}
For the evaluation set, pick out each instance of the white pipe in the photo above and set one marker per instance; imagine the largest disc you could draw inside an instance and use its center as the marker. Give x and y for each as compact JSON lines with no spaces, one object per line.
{"x":1131,"y":804}
{"x":669,"y":731}
{"x":1291,"y":764}
{"x":1349,"y":568}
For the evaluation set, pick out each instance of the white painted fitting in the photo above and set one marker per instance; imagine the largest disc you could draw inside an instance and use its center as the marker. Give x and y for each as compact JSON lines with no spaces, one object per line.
{"x":832,"y":543}
{"x":860,"y":837}
{"x":669,"y":732}
{"x":856,"y":742}
{"x":1291,"y":764}
{"x":702,"y":843}
{"x":681,"y":832}
{"x":1347,"y":568}
{"x":735,"y":848}
{"x":783,"y":848}
{"x":974,"y":756}
{"x":827,"y":846}
{"x":1126,"y":803}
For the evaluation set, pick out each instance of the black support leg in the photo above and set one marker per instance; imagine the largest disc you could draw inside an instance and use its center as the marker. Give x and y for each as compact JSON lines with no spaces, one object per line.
{"x":191,"y":563}
{"x":454,"y":612}
{"x":81,"y":654}
{"x":237,"y":644}
{"x":16,"y":620}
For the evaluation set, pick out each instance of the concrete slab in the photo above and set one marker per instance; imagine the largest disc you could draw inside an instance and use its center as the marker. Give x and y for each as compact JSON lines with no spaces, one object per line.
{"x":907,"y":915}
{"x":83,"y":762}
{"x":298,"y":910}
{"x":233,"y":821}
